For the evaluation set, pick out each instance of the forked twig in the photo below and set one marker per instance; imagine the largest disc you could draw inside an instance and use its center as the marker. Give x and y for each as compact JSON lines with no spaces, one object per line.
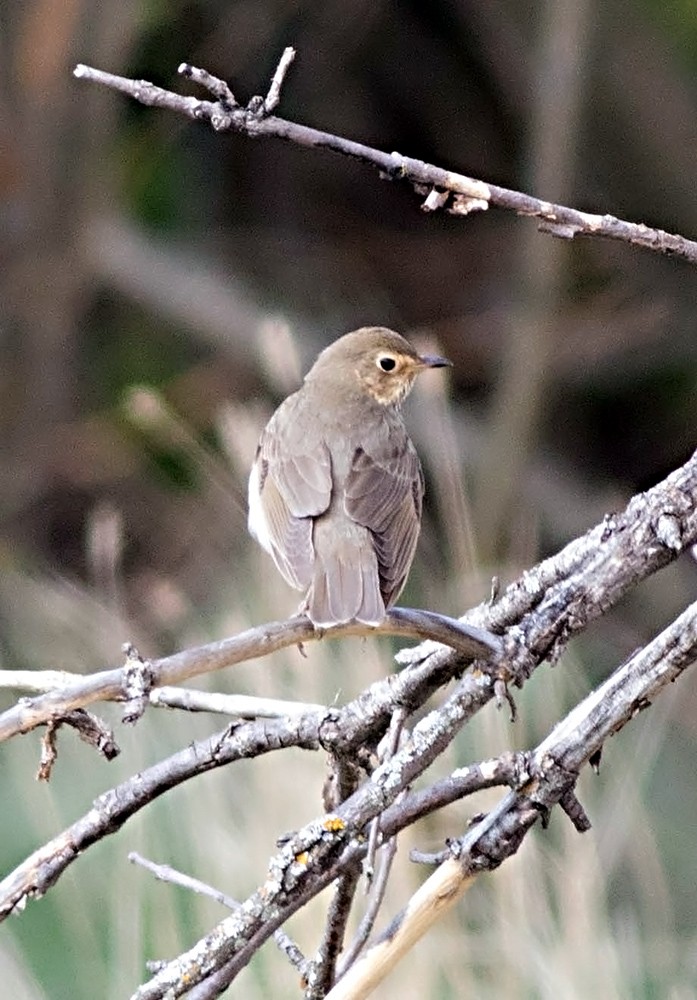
{"x":442,"y":189}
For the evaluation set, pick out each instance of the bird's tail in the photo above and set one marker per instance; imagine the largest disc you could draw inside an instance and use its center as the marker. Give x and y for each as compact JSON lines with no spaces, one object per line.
{"x":346,"y":583}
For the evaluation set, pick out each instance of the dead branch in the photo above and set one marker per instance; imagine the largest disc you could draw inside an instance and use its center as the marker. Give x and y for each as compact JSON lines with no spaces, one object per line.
{"x":442,"y":189}
{"x":554,"y":767}
{"x":539,"y":613}
{"x":116,"y":685}
{"x":165,"y":873}
{"x":318,"y":853}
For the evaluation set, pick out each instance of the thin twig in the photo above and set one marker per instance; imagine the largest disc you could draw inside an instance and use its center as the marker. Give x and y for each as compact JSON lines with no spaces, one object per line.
{"x":274,"y":94}
{"x":89,"y":728}
{"x":467,"y":194}
{"x":378,"y":888}
{"x":242,"y":706}
{"x":377,"y":895}
{"x":322,"y":974}
{"x":391,"y":745}
{"x":213,"y":84}
{"x":342,"y":780}
{"x":165,"y":873}
{"x":37,"y":681}
{"x":49,"y":752}
{"x":188,"y":699}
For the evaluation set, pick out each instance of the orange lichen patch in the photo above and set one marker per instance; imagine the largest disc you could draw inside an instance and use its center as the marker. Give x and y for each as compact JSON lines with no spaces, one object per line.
{"x":333,"y":824}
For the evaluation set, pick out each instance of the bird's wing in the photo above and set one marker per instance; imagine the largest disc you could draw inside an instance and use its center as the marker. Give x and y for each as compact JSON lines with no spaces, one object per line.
{"x":384,"y":493}
{"x":290,"y":484}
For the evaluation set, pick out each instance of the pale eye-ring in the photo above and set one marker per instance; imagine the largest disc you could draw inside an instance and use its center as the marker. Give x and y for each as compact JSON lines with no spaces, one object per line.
{"x":386,"y":362}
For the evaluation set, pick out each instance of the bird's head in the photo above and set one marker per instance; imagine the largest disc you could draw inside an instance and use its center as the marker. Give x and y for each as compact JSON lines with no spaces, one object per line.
{"x":383,"y":362}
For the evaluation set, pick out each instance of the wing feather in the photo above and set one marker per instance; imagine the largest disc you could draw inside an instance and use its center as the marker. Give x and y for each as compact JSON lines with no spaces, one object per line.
{"x":291,"y":486}
{"x":384,"y":492}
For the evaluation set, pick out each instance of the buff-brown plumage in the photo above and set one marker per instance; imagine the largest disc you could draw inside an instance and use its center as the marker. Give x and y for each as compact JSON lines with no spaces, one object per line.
{"x":336,"y":489}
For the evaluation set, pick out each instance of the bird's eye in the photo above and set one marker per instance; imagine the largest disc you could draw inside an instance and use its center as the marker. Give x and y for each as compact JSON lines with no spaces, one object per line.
{"x":387,"y":362}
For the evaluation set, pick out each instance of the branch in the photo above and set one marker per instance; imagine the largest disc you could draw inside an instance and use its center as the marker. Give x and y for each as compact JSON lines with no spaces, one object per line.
{"x":165,"y":873}
{"x":541,"y":612}
{"x":242,"y":706}
{"x":554,"y":767}
{"x":90,"y":729}
{"x":345,"y":731}
{"x":558,"y":598}
{"x":547,"y":605}
{"x":322,"y":971}
{"x":455,"y":192}
{"x":378,"y":890}
{"x":113,"y":685}
{"x":110,"y":811}
{"x":312,"y":859}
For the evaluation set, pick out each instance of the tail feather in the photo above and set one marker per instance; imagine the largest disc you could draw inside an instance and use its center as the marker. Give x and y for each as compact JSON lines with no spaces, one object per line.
{"x":346,"y":584}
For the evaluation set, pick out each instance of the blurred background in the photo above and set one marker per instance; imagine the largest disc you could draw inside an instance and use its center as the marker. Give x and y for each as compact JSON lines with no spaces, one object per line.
{"x":162,"y":287}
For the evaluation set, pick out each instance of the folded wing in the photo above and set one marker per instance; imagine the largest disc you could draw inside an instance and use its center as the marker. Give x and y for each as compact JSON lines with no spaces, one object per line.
{"x":290,"y":485}
{"x":384,"y":493}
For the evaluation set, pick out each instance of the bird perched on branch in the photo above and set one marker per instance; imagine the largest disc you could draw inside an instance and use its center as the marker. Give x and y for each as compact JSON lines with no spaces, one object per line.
{"x":336,"y":488}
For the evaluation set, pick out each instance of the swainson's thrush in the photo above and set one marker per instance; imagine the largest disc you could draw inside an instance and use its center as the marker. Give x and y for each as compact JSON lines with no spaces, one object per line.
{"x":336,"y":487}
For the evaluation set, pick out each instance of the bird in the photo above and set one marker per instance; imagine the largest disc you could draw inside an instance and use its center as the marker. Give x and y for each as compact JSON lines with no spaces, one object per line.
{"x":336,"y":486}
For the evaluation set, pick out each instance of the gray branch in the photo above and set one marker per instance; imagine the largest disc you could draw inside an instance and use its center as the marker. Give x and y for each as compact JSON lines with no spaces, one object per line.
{"x":551,"y":775}
{"x":442,"y":189}
{"x":470,"y":642}
{"x":320,"y":851}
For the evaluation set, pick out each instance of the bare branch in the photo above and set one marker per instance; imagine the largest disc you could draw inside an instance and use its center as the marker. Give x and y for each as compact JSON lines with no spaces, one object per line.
{"x":510,"y":768}
{"x":274,"y":95}
{"x":321,"y":975}
{"x":388,"y":749}
{"x":116,"y":685}
{"x":110,"y":811}
{"x":561,"y":595}
{"x":90,"y":729}
{"x":49,"y":752}
{"x":37,"y":681}
{"x":217,"y":87}
{"x":555,"y":765}
{"x":375,"y":901}
{"x":435,"y":897}
{"x":341,"y":731}
{"x":242,"y":706}
{"x":314,"y":857}
{"x":165,"y":873}
{"x":465,"y":193}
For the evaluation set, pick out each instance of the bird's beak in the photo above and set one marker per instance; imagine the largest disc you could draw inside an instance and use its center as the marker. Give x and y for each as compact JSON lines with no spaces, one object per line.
{"x":434,"y":361}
